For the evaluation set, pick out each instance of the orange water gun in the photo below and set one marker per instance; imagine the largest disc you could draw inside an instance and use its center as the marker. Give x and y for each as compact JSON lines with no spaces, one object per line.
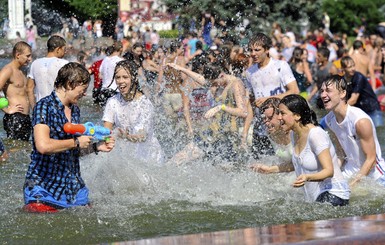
{"x":89,"y":129}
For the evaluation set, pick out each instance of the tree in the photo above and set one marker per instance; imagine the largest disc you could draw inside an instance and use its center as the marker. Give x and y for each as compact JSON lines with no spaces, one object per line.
{"x":260,"y":13}
{"x":96,"y":8}
{"x":49,"y":15}
{"x":3,"y":9}
{"x":347,"y":15}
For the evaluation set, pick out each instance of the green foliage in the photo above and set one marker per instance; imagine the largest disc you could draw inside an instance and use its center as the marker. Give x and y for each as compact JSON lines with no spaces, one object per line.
{"x":260,"y":13}
{"x":348,"y":15}
{"x":95,"y":8}
{"x":3,"y":9}
{"x":168,"y":34}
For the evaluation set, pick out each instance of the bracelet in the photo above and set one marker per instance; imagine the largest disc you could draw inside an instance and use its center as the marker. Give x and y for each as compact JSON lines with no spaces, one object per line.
{"x":77,"y":143}
{"x":95,"y":148}
{"x":223,"y":107}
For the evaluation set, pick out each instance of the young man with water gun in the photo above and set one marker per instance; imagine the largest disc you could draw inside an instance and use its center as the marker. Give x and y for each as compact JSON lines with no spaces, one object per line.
{"x":53,"y":179}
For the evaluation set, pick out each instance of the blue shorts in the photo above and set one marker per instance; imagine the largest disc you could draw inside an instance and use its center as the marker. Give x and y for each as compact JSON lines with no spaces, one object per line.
{"x":39,"y":194}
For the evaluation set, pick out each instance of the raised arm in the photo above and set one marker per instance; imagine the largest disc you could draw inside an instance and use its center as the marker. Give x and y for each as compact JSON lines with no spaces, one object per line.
{"x":240,"y":110}
{"x":195,"y":76}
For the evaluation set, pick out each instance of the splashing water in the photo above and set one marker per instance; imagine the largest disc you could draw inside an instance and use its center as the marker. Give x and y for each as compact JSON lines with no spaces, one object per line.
{"x":133,"y":200}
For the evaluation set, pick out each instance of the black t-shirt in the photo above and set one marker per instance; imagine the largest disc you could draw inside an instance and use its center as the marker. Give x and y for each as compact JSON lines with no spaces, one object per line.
{"x":367,"y":100}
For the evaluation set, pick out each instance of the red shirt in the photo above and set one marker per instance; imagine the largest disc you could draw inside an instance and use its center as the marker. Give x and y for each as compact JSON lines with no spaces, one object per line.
{"x":95,"y":71}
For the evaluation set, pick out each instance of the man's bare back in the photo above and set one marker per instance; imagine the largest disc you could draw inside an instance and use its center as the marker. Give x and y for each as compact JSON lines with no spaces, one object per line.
{"x":362,"y":62}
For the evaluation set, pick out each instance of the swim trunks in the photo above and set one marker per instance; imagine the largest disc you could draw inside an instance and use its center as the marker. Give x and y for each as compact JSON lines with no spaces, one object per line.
{"x":37,"y":194}
{"x":18,"y":126}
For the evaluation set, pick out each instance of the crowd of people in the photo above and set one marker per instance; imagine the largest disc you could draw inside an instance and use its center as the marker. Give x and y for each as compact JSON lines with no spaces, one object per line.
{"x":237,"y":99}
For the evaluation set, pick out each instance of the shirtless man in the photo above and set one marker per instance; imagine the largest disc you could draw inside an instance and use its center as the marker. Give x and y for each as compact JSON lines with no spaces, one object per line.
{"x":362,"y":61}
{"x":13,"y":83}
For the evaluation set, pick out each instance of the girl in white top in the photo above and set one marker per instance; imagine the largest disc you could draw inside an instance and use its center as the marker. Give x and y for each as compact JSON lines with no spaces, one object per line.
{"x":314,"y":157}
{"x":131,"y":113}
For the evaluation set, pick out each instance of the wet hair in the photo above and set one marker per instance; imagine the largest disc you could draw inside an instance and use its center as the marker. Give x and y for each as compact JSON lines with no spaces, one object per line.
{"x":296,"y":56}
{"x":19,"y":48}
{"x":137,"y":45}
{"x":198,"y":63}
{"x":239,"y":63}
{"x":298,"y":105}
{"x":345,"y":61}
{"x":131,"y":68}
{"x":55,"y":42}
{"x":272,"y":102}
{"x":357,"y":44}
{"x":81,"y":57}
{"x":262,"y":40}
{"x":341,"y":52}
{"x":211,"y":72}
{"x":109,"y":50}
{"x":198,"y":45}
{"x":72,"y":75}
{"x":325,"y":52}
{"x":117,"y":46}
{"x":224,"y":56}
{"x":174,"y":46}
{"x":340,"y":83}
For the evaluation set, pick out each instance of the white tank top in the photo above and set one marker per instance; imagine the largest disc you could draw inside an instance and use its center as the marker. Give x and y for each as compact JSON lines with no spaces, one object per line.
{"x":350,"y":142}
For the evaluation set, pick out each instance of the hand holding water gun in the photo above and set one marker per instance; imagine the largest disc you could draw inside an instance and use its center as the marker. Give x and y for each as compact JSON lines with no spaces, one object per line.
{"x":89,"y":129}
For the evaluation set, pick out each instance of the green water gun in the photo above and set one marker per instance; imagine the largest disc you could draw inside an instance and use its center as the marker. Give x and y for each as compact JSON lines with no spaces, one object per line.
{"x":3,"y":103}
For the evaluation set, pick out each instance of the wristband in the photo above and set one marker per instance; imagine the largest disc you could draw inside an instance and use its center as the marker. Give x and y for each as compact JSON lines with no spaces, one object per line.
{"x":95,"y":148}
{"x":77,"y":143}
{"x":223,"y":107}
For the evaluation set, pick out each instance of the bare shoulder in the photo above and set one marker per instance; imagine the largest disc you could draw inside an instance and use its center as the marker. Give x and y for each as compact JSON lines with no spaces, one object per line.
{"x":6,"y":72}
{"x":7,"y":69}
{"x":364,"y":128}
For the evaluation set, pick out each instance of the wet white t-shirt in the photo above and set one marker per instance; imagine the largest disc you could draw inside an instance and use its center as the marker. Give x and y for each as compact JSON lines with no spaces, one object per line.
{"x":351,"y":143}
{"x":271,"y":79}
{"x":134,"y":116}
{"x":306,"y":162}
{"x":44,"y":72}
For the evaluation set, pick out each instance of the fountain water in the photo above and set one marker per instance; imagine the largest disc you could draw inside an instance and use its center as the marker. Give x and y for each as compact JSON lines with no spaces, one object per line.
{"x":135,"y":200}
